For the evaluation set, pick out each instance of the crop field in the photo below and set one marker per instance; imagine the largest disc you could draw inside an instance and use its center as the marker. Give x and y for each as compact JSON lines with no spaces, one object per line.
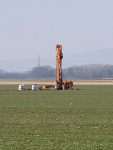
{"x":80,"y":119}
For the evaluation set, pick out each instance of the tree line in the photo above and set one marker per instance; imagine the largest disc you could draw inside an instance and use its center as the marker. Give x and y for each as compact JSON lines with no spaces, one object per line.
{"x":93,"y":71}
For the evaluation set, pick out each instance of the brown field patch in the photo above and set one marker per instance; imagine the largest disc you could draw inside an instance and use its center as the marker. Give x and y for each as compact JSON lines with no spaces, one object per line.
{"x":76,"y":82}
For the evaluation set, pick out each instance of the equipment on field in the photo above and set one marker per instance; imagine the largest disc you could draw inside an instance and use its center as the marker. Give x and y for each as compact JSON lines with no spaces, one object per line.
{"x":21,"y":87}
{"x":35,"y":87}
{"x":59,"y":77}
{"x":60,"y":84}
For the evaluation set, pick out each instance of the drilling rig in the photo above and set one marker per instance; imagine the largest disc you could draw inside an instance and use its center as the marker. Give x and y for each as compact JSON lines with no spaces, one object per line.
{"x":60,"y":84}
{"x":59,"y":77}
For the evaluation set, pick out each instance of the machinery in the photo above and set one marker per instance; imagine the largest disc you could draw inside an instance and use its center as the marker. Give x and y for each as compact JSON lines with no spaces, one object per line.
{"x":59,"y":77}
{"x":60,"y":84}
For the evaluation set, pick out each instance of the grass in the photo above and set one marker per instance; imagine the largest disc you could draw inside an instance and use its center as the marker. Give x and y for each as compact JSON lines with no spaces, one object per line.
{"x":56,"y":120}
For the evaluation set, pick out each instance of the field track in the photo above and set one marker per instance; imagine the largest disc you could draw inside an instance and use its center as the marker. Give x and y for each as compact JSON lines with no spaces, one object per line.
{"x":76,"y":82}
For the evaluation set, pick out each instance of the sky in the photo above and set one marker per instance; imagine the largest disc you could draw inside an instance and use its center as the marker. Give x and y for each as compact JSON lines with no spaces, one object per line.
{"x":29,"y":28}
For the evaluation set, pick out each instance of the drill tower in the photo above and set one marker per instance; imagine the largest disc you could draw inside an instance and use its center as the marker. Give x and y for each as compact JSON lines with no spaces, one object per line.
{"x":60,"y":84}
{"x":59,"y":77}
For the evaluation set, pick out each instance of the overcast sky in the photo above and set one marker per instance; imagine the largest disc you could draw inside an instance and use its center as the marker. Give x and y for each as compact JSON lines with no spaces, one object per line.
{"x":29,"y":28}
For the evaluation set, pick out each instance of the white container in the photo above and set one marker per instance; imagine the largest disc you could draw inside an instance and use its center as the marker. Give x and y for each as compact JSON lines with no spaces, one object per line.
{"x":21,"y":87}
{"x":35,"y":87}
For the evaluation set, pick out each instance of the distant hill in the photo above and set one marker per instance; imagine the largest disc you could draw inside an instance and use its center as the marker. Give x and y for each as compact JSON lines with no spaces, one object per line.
{"x":18,"y":65}
{"x":94,"y":71}
{"x":104,"y":56}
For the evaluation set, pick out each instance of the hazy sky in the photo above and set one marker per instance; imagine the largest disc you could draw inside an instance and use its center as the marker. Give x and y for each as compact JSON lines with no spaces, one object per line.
{"x":32,"y":27}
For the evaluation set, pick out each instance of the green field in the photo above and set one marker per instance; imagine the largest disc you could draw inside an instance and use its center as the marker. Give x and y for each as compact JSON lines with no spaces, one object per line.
{"x":81,"y":119}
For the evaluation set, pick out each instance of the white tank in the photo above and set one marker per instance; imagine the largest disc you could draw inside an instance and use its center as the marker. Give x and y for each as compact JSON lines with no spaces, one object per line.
{"x":21,"y":87}
{"x":35,"y":87}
